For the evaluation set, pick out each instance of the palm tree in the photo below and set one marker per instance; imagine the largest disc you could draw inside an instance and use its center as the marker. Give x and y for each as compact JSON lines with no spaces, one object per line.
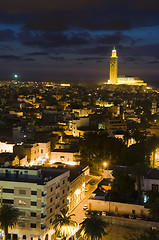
{"x":8,"y":217}
{"x":63,"y":222}
{"x":93,"y":227}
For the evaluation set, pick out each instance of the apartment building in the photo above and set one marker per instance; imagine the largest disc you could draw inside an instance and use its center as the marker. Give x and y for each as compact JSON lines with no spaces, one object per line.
{"x":39,"y":193}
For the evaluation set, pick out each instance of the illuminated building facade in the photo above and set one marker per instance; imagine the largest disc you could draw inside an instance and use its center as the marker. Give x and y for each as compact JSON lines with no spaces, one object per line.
{"x":121,"y":80}
{"x":113,"y":67}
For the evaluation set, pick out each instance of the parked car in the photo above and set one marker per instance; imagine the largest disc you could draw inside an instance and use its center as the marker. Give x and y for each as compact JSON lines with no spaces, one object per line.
{"x":139,"y":217}
{"x":131,"y":216}
{"x":87,"y":212}
{"x":104,"y":214}
{"x":85,"y":207}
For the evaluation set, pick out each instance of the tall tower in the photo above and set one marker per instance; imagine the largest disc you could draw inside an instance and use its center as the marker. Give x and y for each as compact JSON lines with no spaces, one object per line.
{"x":113,"y":67}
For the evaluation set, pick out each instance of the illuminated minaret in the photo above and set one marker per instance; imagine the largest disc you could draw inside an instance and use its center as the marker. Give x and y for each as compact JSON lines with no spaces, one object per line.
{"x":113,"y":67}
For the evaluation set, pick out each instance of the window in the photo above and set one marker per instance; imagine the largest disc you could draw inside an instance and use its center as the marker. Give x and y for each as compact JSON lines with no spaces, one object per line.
{"x":50,"y":210}
{"x":41,"y":150}
{"x":33,"y":192}
{"x":43,"y":215}
{"x":51,"y":189}
{"x":63,"y":191}
{"x":22,"y":202}
{"x":63,"y":201}
{"x":43,"y":193}
{"x":155,"y":187}
{"x":33,"y":225}
{"x":33,"y":214}
{"x":63,"y":181}
{"x":43,"y":226}
{"x":22,"y":192}
{"x":8,"y":190}
{"x":51,"y":199}
{"x":43,"y":204}
{"x":50,"y":220}
{"x":33,"y":203}
{"x":8,"y":201}
{"x":14,"y":237}
{"x":24,"y":236}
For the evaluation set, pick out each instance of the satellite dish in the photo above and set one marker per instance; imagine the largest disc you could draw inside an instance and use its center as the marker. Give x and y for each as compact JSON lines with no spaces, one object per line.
{"x":6,"y":164}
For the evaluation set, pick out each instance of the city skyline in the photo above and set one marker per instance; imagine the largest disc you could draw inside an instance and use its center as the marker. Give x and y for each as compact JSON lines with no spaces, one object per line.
{"x":73,"y":42}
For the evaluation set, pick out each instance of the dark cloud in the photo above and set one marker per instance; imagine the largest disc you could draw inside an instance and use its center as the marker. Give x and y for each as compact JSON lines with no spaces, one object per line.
{"x":18,"y":6}
{"x":38,"y":54}
{"x":50,"y":40}
{"x":15,"y":58}
{"x":10,"y":57}
{"x":104,"y":50}
{"x":57,"y":58}
{"x":90,"y":59}
{"x":7,"y":35}
{"x":116,"y":38}
{"x":153,"y":62}
{"x":86,"y":19}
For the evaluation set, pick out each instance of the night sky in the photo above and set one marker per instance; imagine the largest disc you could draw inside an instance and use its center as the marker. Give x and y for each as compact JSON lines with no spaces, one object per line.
{"x":71,"y":40}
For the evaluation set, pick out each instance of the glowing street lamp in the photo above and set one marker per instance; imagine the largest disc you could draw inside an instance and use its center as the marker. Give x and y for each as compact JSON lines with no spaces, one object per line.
{"x":105,"y":164}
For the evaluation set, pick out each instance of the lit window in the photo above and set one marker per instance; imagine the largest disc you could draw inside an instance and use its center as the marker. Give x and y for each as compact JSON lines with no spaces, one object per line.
{"x":22,"y":202}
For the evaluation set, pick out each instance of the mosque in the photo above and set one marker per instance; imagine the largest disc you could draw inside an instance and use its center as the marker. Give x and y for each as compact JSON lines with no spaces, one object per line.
{"x":121,"y":80}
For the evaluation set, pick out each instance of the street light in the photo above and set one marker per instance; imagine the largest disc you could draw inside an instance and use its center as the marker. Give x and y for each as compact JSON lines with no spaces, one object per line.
{"x":105,"y":164}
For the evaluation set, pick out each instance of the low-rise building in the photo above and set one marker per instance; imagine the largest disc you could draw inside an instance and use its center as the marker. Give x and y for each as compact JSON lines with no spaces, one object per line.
{"x":31,"y":150}
{"x":65,"y":156}
{"x":10,"y":159}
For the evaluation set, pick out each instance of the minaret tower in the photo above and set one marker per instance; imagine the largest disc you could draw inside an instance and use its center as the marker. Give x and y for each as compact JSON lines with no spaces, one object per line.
{"x":113,"y":67}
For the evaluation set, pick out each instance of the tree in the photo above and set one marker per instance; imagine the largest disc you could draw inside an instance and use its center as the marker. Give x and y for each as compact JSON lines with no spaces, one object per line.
{"x":93,"y":227}
{"x":152,"y":145}
{"x":96,"y":148}
{"x":8,"y":217}
{"x":123,"y":187}
{"x":154,"y":210}
{"x":138,"y":171}
{"x":63,"y":222}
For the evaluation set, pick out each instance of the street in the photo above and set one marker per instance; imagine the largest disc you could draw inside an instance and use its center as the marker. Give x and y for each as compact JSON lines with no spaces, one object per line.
{"x":78,"y":210}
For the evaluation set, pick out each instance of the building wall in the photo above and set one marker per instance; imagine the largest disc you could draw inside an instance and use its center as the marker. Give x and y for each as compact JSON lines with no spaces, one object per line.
{"x":117,"y":207}
{"x":44,"y":149}
{"x":6,"y":147}
{"x":148,"y":184}
{"x":64,"y":157}
{"x":76,"y":190}
{"x":83,"y":112}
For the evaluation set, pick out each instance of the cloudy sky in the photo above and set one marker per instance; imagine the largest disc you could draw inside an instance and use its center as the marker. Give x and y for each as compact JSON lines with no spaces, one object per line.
{"x":71,"y":40}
